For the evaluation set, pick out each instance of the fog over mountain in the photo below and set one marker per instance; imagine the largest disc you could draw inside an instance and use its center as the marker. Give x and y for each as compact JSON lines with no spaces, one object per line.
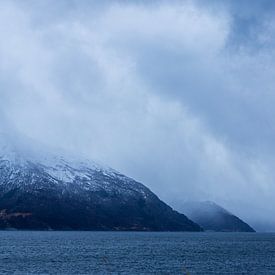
{"x":212,"y":217}
{"x":185,"y":107}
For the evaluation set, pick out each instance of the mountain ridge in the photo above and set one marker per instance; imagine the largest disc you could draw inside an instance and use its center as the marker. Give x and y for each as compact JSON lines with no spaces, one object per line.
{"x":212,"y":217}
{"x":52,"y":191}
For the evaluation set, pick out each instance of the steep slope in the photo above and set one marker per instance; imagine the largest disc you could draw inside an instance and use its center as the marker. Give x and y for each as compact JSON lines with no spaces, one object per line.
{"x":211,"y":216}
{"x":47,"y":191}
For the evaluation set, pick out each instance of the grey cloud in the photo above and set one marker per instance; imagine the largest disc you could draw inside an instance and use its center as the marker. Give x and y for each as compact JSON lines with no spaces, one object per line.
{"x":155,"y":90}
{"x":249,"y":19}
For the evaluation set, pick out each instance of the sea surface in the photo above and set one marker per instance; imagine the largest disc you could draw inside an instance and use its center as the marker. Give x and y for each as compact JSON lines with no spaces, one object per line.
{"x":33,"y":252}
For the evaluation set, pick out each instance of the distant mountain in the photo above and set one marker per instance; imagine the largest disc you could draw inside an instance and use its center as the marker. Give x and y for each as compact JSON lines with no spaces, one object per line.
{"x":41,"y":190}
{"x":211,"y":216}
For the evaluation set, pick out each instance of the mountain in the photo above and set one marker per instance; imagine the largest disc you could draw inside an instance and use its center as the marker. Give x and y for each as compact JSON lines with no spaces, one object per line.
{"x":41,"y":190}
{"x":213,"y":217}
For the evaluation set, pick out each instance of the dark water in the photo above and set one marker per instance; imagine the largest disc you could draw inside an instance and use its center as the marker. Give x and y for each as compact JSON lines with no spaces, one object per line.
{"x":136,"y":253}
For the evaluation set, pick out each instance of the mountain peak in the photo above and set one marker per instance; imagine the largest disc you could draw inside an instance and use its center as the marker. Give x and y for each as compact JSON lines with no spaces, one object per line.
{"x":61,"y":191}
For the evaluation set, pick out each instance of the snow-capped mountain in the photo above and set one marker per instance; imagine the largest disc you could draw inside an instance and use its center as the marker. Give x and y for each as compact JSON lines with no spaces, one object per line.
{"x":42,"y":190}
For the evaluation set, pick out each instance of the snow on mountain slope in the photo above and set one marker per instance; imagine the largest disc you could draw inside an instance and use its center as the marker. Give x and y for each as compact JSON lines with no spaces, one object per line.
{"x":20,"y":161}
{"x":60,"y":191}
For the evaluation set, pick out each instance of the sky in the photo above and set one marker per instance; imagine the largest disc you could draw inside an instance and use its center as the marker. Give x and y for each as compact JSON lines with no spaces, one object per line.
{"x":176,"y":94}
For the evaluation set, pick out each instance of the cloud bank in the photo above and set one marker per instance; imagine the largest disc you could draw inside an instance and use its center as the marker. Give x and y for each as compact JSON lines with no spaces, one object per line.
{"x":177,"y":94}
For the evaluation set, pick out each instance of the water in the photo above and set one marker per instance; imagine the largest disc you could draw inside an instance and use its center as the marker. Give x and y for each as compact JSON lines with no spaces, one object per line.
{"x":27,"y":252}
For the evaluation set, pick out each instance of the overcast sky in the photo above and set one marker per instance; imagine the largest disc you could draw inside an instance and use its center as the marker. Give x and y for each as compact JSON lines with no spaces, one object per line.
{"x":176,"y":94}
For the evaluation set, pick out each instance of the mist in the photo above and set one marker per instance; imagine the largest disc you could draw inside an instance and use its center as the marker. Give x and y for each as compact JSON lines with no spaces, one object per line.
{"x":176,"y":94}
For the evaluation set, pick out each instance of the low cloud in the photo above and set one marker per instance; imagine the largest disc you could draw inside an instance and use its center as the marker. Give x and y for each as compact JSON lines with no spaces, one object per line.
{"x":166,"y":92}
